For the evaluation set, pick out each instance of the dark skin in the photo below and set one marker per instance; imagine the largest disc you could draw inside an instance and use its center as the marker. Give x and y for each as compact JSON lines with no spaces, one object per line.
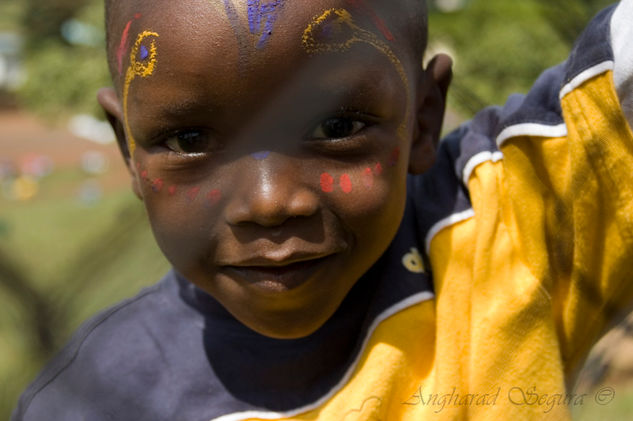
{"x":261,"y":232}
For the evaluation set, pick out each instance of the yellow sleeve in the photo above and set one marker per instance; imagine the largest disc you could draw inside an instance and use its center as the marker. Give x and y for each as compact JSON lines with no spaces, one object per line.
{"x":528,"y":279}
{"x":572,"y":213}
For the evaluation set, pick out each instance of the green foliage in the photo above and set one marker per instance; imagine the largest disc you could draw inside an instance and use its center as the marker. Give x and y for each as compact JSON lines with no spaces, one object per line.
{"x":63,"y":78}
{"x":567,"y":17}
{"x":10,"y":11}
{"x":500,"y":47}
{"x":44,"y":18}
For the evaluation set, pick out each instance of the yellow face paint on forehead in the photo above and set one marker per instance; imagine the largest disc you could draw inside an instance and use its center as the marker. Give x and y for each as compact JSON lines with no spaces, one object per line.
{"x":335,"y":31}
{"x":142,"y":63}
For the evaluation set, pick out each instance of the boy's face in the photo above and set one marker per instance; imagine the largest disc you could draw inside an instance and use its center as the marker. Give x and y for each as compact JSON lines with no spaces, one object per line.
{"x":270,"y":143}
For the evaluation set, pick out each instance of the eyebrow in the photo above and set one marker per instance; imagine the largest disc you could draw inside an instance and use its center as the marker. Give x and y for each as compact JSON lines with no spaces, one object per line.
{"x":321,"y":92}
{"x":160,"y":116}
{"x":322,"y":95}
{"x":180,"y":107}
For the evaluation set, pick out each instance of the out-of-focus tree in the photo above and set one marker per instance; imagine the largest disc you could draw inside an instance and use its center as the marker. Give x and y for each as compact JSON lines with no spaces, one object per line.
{"x":500,"y":47}
{"x":567,"y":17}
{"x":64,"y":56}
{"x":44,"y":20}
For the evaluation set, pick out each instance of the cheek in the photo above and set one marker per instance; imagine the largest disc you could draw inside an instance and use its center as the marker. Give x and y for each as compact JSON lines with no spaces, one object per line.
{"x":369,"y":202}
{"x":360,"y":177}
{"x":182,"y":217}
{"x":366,"y":197}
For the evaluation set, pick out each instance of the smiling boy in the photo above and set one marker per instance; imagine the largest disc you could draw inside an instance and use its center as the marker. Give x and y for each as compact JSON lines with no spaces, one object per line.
{"x":271,"y":142}
{"x":285,"y":137}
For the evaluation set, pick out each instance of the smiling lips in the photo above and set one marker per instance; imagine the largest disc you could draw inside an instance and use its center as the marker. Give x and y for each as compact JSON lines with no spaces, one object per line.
{"x":273,"y":276}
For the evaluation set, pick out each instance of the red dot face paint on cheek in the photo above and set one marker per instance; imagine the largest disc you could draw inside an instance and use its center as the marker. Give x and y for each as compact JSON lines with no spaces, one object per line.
{"x":346,"y":183}
{"x":214,"y":196}
{"x":157,"y":185}
{"x":378,"y":169}
{"x":193,"y":193}
{"x":368,"y":178}
{"x":171,"y":190}
{"x":327,"y":183}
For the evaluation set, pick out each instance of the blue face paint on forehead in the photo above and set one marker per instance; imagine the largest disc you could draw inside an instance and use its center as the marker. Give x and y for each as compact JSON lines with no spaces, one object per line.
{"x":262,"y":17}
{"x":242,"y":42}
{"x":253,"y":15}
{"x":143,"y":53}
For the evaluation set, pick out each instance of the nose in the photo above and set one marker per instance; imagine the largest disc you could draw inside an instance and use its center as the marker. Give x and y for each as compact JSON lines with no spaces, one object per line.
{"x":270,"y":192}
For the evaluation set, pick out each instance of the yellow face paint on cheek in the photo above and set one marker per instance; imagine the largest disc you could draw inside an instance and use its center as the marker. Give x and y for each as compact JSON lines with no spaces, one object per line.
{"x":335,"y":31}
{"x":142,"y":63}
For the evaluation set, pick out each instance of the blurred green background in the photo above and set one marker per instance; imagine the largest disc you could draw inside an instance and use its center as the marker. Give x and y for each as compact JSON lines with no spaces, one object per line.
{"x":74,"y":240}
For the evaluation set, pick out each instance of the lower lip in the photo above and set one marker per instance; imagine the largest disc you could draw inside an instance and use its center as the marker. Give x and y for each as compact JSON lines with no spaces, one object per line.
{"x":278,"y":278}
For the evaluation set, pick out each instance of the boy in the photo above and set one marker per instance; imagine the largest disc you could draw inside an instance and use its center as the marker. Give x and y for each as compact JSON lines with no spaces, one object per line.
{"x":270,"y":143}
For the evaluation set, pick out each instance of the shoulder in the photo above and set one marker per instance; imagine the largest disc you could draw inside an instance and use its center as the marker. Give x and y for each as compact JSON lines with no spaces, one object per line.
{"x":114,"y":353}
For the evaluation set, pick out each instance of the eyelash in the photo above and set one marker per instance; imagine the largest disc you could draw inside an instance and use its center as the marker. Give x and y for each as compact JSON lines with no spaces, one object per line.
{"x":353,"y":142}
{"x":344,"y":124}
{"x":173,"y":141}
{"x":351,"y":122}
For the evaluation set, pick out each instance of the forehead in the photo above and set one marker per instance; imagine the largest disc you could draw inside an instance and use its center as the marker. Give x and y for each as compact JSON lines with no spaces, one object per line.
{"x":250,"y":47}
{"x":247,"y":32}
{"x":382,"y":13}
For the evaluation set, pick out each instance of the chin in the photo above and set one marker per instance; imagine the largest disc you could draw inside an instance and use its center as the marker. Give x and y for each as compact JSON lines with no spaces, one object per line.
{"x":288,"y":327}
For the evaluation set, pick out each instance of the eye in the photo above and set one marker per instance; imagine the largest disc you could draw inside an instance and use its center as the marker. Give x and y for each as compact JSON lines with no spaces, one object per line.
{"x":337,"y":128}
{"x":189,"y":142}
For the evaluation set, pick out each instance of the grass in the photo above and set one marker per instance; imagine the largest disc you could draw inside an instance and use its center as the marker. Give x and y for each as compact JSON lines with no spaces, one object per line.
{"x":45,"y":233}
{"x":618,"y":409}
{"x":80,"y":258}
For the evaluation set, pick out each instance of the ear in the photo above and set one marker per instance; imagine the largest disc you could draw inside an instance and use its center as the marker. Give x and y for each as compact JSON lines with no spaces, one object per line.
{"x":431,"y":106}
{"x":111,"y":105}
